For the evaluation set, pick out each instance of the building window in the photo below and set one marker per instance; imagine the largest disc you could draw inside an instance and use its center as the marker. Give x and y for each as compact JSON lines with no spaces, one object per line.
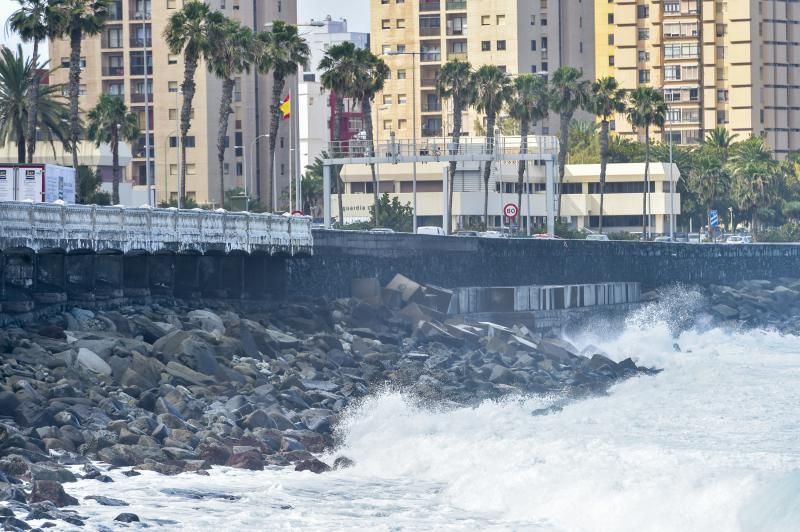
{"x":501,"y":20}
{"x":172,"y":4}
{"x":544,"y":44}
{"x":545,"y":66}
{"x":722,"y":95}
{"x":402,"y":99}
{"x":401,"y":24}
{"x":533,"y":20}
{"x":642,"y":11}
{"x":486,"y":20}
{"x":387,"y":99}
{"x":172,"y":59}
{"x":672,"y":72}
{"x":486,"y":46}
{"x":239,"y":168}
{"x":533,"y":45}
{"x":672,"y":7}
{"x":544,"y":20}
{"x":172,"y":86}
{"x":501,"y":45}
{"x":611,"y":18}
{"x":721,"y":52}
{"x":533,"y":69}
{"x":401,"y":48}
{"x":386,"y":24}
{"x":610,"y":60}
{"x":402,"y":123}
{"x":386,"y":49}
{"x":644,"y":34}
{"x":401,"y":74}
{"x":611,"y":39}
{"x":191,"y":169}
{"x":190,"y":142}
{"x":644,"y":76}
{"x":644,"y":56}
{"x":387,"y":125}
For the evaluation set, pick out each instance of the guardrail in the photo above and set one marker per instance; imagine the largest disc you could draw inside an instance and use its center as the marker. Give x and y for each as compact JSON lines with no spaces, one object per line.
{"x":87,"y":227}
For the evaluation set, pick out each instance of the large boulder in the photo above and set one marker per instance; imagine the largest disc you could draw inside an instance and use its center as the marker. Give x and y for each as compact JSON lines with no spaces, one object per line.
{"x":250,"y":459}
{"x":50,"y":490}
{"x":91,"y":361}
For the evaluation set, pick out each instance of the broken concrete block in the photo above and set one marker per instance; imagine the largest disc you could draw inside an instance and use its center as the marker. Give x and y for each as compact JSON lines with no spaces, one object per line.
{"x":407,"y":288}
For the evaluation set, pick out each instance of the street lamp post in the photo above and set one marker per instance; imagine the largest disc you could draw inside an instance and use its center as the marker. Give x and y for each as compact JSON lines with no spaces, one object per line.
{"x":252,"y":143}
{"x":144,"y":16}
{"x":733,"y":227}
{"x":414,"y":125}
{"x":166,"y":163}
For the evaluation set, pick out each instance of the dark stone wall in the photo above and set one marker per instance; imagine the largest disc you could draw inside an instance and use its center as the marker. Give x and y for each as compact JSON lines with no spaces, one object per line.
{"x":341,"y":256}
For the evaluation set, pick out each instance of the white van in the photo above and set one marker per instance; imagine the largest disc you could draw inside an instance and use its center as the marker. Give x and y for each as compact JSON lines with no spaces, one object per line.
{"x":430,"y":230}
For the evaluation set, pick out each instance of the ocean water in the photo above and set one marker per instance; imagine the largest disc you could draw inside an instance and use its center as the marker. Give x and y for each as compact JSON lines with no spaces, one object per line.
{"x":712,"y":443}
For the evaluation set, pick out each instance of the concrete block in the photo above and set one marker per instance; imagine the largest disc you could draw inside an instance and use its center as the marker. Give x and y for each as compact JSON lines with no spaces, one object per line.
{"x":407,"y":288}
{"x":365,"y":288}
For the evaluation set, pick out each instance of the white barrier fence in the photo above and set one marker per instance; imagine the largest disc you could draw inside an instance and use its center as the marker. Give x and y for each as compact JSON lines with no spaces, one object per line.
{"x":72,"y":227}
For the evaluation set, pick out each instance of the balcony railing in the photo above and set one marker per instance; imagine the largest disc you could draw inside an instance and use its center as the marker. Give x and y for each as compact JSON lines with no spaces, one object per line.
{"x":430,"y":6}
{"x":454,"y":5}
{"x":110,"y":44}
{"x":427,"y":31}
{"x":456,"y":33}
{"x":427,"y":57}
{"x":429,"y":82}
{"x":113,"y":71}
{"x":461,"y":56}
{"x":431,"y":131}
{"x":139,"y":97}
{"x":138,"y":42}
{"x":431,"y":107}
{"x":138,"y":70}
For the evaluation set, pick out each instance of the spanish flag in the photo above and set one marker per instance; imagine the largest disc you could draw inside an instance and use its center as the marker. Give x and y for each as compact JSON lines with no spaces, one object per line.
{"x":286,"y":108}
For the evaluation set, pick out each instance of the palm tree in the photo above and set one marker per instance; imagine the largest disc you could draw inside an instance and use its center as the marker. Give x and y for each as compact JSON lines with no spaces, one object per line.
{"x":371,"y":76}
{"x":81,"y":18}
{"x":721,"y":140}
{"x":569,"y":92}
{"x":607,"y":100}
{"x":231,"y":54}
{"x":493,"y":89}
{"x":646,"y":108}
{"x":110,"y":122}
{"x":529,"y":105}
{"x":455,"y":82}
{"x":34,"y":21}
{"x":282,"y":52}
{"x":707,"y":178}
{"x":338,"y":76}
{"x":192,"y":31}
{"x":16,"y":74}
{"x":755,"y":176}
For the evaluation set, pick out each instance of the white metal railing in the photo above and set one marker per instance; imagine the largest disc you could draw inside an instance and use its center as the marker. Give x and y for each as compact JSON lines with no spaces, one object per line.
{"x":73,"y":227}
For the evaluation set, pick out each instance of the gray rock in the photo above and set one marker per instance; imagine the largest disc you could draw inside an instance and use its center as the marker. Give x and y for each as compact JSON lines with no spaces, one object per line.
{"x":91,"y":361}
{"x":127,"y":518}
{"x":725,"y":312}
{"x":207,"y":320}
{"x":50,"y":490}
{"x":106,"y":501}
{"x":51,"y":472}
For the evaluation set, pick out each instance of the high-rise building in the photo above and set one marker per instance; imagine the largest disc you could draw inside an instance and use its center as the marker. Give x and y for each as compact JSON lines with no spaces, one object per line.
{"x":720,"y":63}
{"x":416,"y":37}
{"x":130,"y":59}
{"x":315,"y":104}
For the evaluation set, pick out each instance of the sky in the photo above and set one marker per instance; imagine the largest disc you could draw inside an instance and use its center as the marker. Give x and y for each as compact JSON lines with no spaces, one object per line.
{"x":355,"y":11}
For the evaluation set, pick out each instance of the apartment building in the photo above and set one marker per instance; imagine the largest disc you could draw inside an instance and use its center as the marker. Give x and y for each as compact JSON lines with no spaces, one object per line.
{"x":720,"y":63}
{"x":315,"y":104}
{"x":130,"y":59}
{"x":416,"y":37}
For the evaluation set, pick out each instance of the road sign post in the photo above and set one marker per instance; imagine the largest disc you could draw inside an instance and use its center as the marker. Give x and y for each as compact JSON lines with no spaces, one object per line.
{"x":510,"y":210}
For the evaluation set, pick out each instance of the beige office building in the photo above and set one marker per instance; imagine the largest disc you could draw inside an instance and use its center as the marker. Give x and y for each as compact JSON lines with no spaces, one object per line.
{"x":521,"y":36}
{"x":131,"y":59}
{"x":721,"y":63}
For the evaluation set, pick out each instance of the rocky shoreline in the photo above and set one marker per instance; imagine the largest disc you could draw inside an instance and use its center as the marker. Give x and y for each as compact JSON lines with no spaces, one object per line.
{"x":174,"y":389}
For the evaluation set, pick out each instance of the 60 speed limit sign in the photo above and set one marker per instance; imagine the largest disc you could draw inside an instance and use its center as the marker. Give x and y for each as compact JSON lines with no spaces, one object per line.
{"x":510,"y":210}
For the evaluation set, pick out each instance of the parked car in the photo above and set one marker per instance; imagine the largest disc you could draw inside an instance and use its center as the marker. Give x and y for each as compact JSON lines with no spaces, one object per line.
{"x":546,"y":236}
{"x":491,"y":234}
{"x":735,"y":239}
{"x":748,"y":239}
{"x":597,"y":237}
{"x":693,"y":238}
{"x":430,"y":230}
{"x":467,"y":233}
{"x":381,"y":230}
{"x":662,"y":239}
{"x":681,"y":238}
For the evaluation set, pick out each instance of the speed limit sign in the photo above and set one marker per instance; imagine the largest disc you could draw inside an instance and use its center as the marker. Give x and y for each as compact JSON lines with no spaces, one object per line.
{"x":510,"y":210}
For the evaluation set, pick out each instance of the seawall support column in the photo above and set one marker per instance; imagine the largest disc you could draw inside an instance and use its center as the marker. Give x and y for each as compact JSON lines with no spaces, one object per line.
{"x":276,"y":277}
{"x":109,"y":275}
{"x":19,"y":280}
{"x":51,"y":277}
{"x":211,"y":284}
{"x":187,"y":275}
{"x":255,"y":277}
{"x":136,"y":275}
{"x":161,"y":268}
{"x":79,"y":267}
{"x":233,"y":279}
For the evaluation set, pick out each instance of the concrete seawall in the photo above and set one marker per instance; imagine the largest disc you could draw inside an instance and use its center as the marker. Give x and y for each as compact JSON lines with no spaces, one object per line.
{"x":340,"y":256}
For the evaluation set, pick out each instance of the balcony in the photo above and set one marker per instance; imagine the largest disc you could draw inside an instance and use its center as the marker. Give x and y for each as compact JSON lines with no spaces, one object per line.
{"x":113,"y":71}
{"x":429,"y":6}
{"x":429,"y":82}
{"x":456,"y":5}
{"x":431,"y":131}
{"x":461,"y":56}
{"x":430,"y":31}
{"x":431,"y":107}
{"x":138,"y":42}
{"x":430,"y":57}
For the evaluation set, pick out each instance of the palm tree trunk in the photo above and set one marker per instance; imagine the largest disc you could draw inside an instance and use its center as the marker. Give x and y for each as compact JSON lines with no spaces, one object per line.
{"x":524,"y":126}
{"x":114,"y":166}
{"x":457,"y":110}
{"x":338,"y":114}
{"x":278,"y":83}
{"x":33,"y":103}
{"x":645,"y":218}
{"x":188,"y":87}
{"x":225,"y":111}
{"x":75,"y":36}
{"x":487,"y":169}
{"x":366,"y":110}
{"x":566,"y":118}
{"x":603,"y":166}
{"x":20,"y":145}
